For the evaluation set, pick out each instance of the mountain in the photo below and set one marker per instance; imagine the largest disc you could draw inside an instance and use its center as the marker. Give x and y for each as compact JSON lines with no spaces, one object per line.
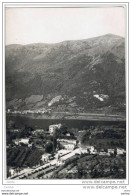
{"x":83,"y":74}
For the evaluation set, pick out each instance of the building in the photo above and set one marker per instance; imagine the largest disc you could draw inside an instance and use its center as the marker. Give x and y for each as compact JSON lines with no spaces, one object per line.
{"x":60,"y":162}
{"x":15,"y":130}
{"x":9,"y":110}
{"x":84,"y":151}
{"x":102,"y":153}
{"x":30,"y":145}
{"x":68,"y":134}
{"x":45,"y":157}
{"x":52,"y":128}
{"x":94,"y":152}
{"x":111,"y":151}
{"x":69,"y":146}
{"x":38,"y":131}
{"x":12,"y":171}
{"x":120,"y":151}
{"x":90,"y":149}
{"x":22,"y":140}
{"x":68,"y":141}
{"x":16,"y":141}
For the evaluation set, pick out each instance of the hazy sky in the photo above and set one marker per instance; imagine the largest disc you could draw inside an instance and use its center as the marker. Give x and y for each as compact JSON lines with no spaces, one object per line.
{"x":51,"y":25}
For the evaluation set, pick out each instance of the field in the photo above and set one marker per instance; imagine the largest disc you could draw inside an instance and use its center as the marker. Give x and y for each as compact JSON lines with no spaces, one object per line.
{"x":93,"y":166}
{"x":22,"y":157}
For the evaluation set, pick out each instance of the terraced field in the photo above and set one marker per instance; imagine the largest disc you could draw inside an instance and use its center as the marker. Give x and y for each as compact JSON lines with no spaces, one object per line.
{"x":20,"y":157}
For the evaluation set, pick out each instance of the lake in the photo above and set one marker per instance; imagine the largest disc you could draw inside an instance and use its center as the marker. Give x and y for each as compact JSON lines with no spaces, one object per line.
{"x":21,"y":121}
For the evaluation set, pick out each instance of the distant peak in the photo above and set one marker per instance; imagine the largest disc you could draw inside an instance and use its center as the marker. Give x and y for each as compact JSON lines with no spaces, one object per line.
{"x":112,"y":35}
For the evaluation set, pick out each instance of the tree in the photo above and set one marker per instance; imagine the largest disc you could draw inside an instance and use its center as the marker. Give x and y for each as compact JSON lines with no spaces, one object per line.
{"x":49,"y":147}
{"x":60,"y":146}
{"x":11,"y":124}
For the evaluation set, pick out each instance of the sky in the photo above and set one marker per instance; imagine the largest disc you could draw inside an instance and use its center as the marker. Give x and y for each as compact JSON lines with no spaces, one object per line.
{"x":52,"y":25}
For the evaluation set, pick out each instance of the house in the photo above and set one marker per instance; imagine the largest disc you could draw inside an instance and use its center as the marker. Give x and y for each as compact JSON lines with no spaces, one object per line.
{"x":111,"y":151}
{"x":120,"y":151}
{"x":63,"y":159}
{"x":102,"y":152}
{"x":68,"y":134}
{"x":38,"y":131}
{"x":12,"y":171}
{"x":69,"y":141}
{"x":30,"y":145}
{"x":52,"y":128}
{"x":24,"y":140}
{"x":83,"y":150}
{"x":94,"y":152}
{"x":45,"y":157}
{"x":15,"y":130}
{"x":9,"y":110}
{"x":16,"y":141}
{"x":68,"y":146}
{"x":90,"y":149}
{"x":60,"y":162}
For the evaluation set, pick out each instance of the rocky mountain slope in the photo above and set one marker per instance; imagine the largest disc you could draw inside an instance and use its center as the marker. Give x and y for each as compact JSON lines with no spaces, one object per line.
{"x":84,"y":74}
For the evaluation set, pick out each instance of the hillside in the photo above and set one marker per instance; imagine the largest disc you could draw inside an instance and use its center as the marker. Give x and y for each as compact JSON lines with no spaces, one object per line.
{"x":71,"y":75}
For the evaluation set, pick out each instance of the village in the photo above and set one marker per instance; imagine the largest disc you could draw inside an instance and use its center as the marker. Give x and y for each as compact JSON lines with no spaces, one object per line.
{"x":63,"y":149}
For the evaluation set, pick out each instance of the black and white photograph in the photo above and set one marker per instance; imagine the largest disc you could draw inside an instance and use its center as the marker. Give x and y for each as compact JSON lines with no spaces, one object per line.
{"x":65,"y":93}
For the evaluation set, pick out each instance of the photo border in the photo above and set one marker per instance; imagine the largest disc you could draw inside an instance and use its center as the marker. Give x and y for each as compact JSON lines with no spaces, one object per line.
{"x":52,"y":4}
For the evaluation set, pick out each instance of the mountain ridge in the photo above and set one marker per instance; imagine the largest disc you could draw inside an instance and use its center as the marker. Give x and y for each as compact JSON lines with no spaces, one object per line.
{"x":80,"y":69}
{"x":37,"y":43}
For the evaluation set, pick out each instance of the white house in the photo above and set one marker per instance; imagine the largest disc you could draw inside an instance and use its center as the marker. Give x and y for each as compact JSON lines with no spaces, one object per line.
{"x":83,"y":151}
{"x":16,"y":141}
{"x":94,"y":152}
{"x":111,"y":151}
{"x":24,"y":140}
{"x":60,"y":162}
{"x":68,"y":146}
{"x":69,"y":141}
{"x":90,"y":149}
{"x":120,"y":151}
{"x":52,"y":128}
{"x":45,"y":157}
{"x":12,"y":171}
{"x":68,"y":134}
{"x":38,"y":131}
{"x":102,"y":153}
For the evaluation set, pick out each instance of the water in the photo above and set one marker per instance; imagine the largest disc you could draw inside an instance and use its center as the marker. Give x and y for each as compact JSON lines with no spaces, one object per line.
{"x":21,"y":121}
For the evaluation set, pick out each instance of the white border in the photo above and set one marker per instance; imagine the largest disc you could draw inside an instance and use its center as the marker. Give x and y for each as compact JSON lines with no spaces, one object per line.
{"x":53,"y":181}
